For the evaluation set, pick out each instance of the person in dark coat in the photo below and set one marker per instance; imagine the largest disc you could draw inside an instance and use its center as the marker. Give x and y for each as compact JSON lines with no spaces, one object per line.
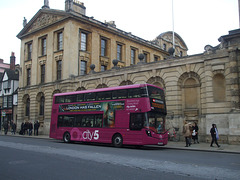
{"x":5,"y":126}
{"x":25,"y":128}
{"x":214,"y":134}
{"x":30,"y":126}
{"x":195,"y":133}
{"x":36,"y":127}
{"x":14,"y":126}
{"x":22,"y":129}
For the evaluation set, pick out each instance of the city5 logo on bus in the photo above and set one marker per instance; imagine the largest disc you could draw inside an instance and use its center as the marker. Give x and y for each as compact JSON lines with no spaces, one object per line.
{"x":87,"y":135}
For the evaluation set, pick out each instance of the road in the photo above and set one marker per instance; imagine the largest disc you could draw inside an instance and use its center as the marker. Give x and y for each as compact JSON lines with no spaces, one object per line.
{"x":30,"y":158}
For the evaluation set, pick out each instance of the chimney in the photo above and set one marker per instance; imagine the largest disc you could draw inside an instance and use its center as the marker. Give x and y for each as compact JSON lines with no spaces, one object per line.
{"x":75,"y":6}
{"x":12,"y":61}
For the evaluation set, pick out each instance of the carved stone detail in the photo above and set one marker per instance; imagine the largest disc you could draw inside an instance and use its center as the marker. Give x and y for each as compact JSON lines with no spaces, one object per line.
{"x":58,"y":58}
{"x":28,"y":66}
{"x":84,"y":56}
{"x":44,"y":20}
{"x":104,"y":61}
{"x":41,"y":62}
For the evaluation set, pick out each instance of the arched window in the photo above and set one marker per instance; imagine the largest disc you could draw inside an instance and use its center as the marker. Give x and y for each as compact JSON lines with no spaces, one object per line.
{"x":42,"y":102}
{"x":219,"y":88}
{"x":190,"y":93}
{"x":124,"y":83}
{"x":27,"y":113}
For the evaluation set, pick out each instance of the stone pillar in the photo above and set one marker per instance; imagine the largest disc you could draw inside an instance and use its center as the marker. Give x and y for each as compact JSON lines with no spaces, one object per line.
{"x":234,"y":80}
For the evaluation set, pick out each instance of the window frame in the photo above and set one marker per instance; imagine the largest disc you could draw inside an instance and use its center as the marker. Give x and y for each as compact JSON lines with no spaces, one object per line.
{"x":156,"y":58}
{"x":119,"y":51}
{"x":83,"y":41}
{"x":133,"y":56}
{"x":44,"y":46}
{"x":27,"y":110}
{"x":5,"y":102}
{"x":146,"y":55}
{"x":60,"y":40}
{"x":29,"y":51}
{"x":41,"y":106}
{"x":43,"y":71}
{"x":59,"y":70}
{"x":28,"y":76}
{"x":103,"y":68}
{"x":103,"y":47}
{"x":83,"y":67}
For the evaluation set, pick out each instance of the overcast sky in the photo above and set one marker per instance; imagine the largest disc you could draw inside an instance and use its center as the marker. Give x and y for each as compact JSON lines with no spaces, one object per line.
{"x":198,"y":22}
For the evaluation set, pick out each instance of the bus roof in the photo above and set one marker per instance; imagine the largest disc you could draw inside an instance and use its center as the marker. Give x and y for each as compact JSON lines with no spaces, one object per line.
{"x":106,"y":89}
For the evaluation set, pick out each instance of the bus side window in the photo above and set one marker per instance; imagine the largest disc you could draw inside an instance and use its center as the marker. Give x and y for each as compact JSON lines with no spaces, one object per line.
{"x":120,"y":94}
{"x":70,"y":99}
{"x":59,"y":99}
{"x":136,"y":121}
{"x":84,"y":121}
{"x":80,"y":98}
{"x":68,"y":121}
{"x":104,"y":96}
{"x":90,"y":97}
{"x":78,"y":121}
{"x":60,"y":121}
{"x":98,"y":120}
{"x":134,"y":93}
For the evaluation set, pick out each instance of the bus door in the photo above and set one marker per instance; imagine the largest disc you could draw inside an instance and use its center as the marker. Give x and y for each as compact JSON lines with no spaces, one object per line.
{"x":136,"y":124}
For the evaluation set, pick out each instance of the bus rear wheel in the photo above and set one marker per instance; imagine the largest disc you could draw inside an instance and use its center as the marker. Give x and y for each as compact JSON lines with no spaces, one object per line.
{"x":66,"y":137}
{"x":117,"y":140}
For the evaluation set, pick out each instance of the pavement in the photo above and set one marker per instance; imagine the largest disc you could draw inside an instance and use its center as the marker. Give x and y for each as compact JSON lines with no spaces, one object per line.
{"x":202,"y":146}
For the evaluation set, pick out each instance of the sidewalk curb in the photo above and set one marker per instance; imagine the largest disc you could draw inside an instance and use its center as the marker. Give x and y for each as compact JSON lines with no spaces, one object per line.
{"x":203,"y":150}
{"x":178,"y":147}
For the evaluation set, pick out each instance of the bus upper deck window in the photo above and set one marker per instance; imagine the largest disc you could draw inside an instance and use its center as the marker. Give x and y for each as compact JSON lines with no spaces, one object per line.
{"x":80,"y":98}
{"x":70,"y":99}
{"x":90,"y":97}
{"x":59,"y":99}
{"x":134,"y":93}
{"x":104,"y":95}
{"x":120,"y":94}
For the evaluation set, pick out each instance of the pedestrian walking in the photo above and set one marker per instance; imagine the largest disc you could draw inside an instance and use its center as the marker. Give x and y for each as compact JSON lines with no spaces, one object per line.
{"x":187,"y":133}
{"x":214,"y":134}
{"x":5,"y":126}
{"x":195,"y":133}
{"x":14,"y":126}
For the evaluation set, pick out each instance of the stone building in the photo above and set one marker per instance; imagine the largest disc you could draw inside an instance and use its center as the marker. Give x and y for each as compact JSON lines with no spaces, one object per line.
{"x":59,"y":47}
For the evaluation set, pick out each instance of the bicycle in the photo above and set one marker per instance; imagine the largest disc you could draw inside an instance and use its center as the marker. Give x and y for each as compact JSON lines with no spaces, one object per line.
{"x":174,"y":135}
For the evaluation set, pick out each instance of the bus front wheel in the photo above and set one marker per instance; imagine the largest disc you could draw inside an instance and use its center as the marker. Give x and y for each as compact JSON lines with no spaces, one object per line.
{"x":117,"y":140}
{"x":66,"y":137}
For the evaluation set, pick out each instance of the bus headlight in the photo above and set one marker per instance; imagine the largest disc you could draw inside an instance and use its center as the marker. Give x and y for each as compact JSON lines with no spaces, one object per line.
{"x":148,"y":133}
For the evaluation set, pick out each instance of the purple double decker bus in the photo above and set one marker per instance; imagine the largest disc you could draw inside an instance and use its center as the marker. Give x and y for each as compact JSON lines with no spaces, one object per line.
{"x":123,"y":115}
